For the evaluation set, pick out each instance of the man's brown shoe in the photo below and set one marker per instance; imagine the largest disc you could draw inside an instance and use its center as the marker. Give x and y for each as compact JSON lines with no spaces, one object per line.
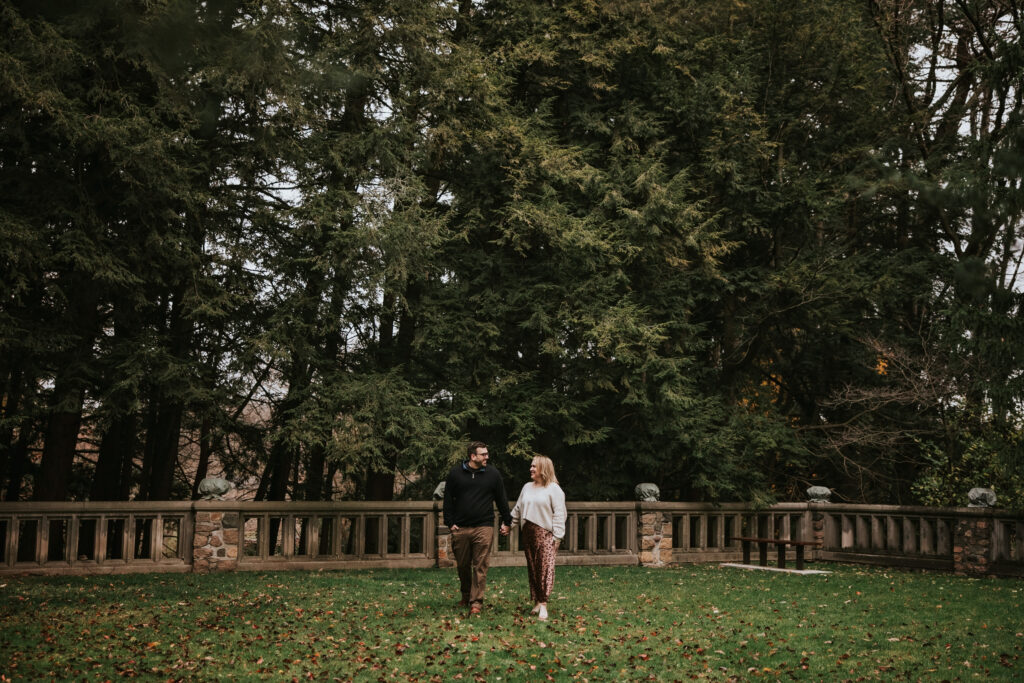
{"x":474,"y":609}
{"x":463,"y":602}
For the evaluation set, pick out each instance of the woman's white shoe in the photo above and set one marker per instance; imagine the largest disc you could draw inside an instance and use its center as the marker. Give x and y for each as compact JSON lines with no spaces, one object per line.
{"x":536,"y":608}
{"x":542,"y":614}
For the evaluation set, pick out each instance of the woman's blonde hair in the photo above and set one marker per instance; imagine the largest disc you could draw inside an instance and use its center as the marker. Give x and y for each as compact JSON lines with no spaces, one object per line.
{"x":545,"y":469}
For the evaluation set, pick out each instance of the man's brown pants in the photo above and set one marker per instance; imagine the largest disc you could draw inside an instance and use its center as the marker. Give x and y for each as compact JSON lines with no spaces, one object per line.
{"x":472,"y":549}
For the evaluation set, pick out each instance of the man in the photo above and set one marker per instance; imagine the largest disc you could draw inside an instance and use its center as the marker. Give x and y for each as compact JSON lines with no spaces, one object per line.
{"x":470,"y":492}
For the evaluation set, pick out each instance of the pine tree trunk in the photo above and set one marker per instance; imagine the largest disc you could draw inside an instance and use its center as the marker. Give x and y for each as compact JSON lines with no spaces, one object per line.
{"x":19,"y":462}
{"x":264,"y":486}
{"x":68,"y":398}
{"x":328,"y":489}
{"x":118,"y":445}
{"x":61,"y":443}
{"x":10,"y":407}
{"x":148,"y":452}
{"x":165,"y":452}
{"x":314,"y":484}
{"x":167,"y":428}
{"x":380,"y":485}
{"x":281,"y":458}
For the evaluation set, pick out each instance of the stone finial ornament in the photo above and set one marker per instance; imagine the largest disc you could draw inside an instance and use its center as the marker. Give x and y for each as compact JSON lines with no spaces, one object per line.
{"x":439,"y":491}
{"x":981,"y":498}
{"x":819,"y":494}
{"x":647,"y":492}
{"x":214,"y":488}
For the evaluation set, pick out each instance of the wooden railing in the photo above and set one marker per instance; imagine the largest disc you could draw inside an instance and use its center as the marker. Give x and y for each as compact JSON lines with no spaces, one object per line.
{"x":135,"y":537}
{"x":1008,"y":545}
{"x":595,"y":533}
{"x":206,"y":535}
{"x":919,"y":537}
{"x":95,"y":537}
{"x":704,"y":532}
{"x":333,"y":535}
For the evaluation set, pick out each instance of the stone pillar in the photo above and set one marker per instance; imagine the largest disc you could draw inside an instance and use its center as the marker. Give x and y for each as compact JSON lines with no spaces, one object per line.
{"x":215,"y":541}
{"x":443,"y":536}
{"x":445,"y":558}
{"x":655,"y":537}
{"x":972,"y":538}
{"x":816,"y":496}
{"x":817,"y":532}
{"x":972,"y":545}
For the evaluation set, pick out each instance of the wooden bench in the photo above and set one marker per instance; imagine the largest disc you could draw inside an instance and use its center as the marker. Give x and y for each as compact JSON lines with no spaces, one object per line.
{"x":780,"y":543}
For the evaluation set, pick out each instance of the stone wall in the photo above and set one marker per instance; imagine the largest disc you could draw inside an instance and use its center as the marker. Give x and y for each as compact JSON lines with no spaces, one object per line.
{"x":655,"y":538}
{"x":972,"y":545}
{"x":445,"y":558}
{"x":817,"y":533}
{"x":215,"y":541}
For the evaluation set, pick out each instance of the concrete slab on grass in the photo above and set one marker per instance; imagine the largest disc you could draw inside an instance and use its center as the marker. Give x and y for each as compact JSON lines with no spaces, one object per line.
{"x":786,"y":570}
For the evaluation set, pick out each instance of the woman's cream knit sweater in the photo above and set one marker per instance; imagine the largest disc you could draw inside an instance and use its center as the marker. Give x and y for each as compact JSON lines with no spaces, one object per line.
{"x":542,"y":505}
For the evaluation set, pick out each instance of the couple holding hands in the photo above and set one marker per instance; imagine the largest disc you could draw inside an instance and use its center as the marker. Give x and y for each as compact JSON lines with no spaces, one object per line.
{"x":470,"y":491}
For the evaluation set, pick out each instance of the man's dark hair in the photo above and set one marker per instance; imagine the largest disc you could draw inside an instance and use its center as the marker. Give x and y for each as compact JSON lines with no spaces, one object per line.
{"x":473,"y":445}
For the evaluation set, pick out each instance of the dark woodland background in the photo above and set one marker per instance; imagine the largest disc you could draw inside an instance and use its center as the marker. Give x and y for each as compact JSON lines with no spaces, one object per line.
{"x":732,"y":248}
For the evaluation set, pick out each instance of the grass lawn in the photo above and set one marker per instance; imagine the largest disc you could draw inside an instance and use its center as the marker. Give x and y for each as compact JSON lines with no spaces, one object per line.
{"x":701,"y":622}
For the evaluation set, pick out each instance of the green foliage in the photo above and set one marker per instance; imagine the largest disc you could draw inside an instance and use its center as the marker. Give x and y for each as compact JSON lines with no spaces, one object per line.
{"x":989,"y":461}
{"x":680,"y":240}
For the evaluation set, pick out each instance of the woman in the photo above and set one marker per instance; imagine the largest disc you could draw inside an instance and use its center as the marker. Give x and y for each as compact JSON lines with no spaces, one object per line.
{"x":540,"y":514}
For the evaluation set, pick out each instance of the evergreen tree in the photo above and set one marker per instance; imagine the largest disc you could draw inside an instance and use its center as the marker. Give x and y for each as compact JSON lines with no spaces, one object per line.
{"x":733,"y":249}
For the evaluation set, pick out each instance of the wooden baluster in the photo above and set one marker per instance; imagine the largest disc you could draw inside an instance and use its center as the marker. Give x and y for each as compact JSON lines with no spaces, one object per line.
{"x":943,"y":542}
{"x":263,"y":539}
{"x":42,"y":540}
{"x":835,"y":531}
{"x":71,"y":551}
{"x":877,"y":533}
{"x":11,"y":541}
{"x":337,"y":534}
{"x":892,"y":534}
{"x":1018,"y":541}
{"x":313,"y":535}
{"x":860,"y":537}
{"x":100,"y":540}
{"x":288,"y":536}
{"x":128,"y":539}
{"x":156,"y":540}
{"x":910,"y":535}
{"x":927,"y":537}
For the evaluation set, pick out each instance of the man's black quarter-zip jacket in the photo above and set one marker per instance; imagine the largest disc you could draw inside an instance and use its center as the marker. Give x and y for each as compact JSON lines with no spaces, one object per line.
{"x":469,"y":495}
